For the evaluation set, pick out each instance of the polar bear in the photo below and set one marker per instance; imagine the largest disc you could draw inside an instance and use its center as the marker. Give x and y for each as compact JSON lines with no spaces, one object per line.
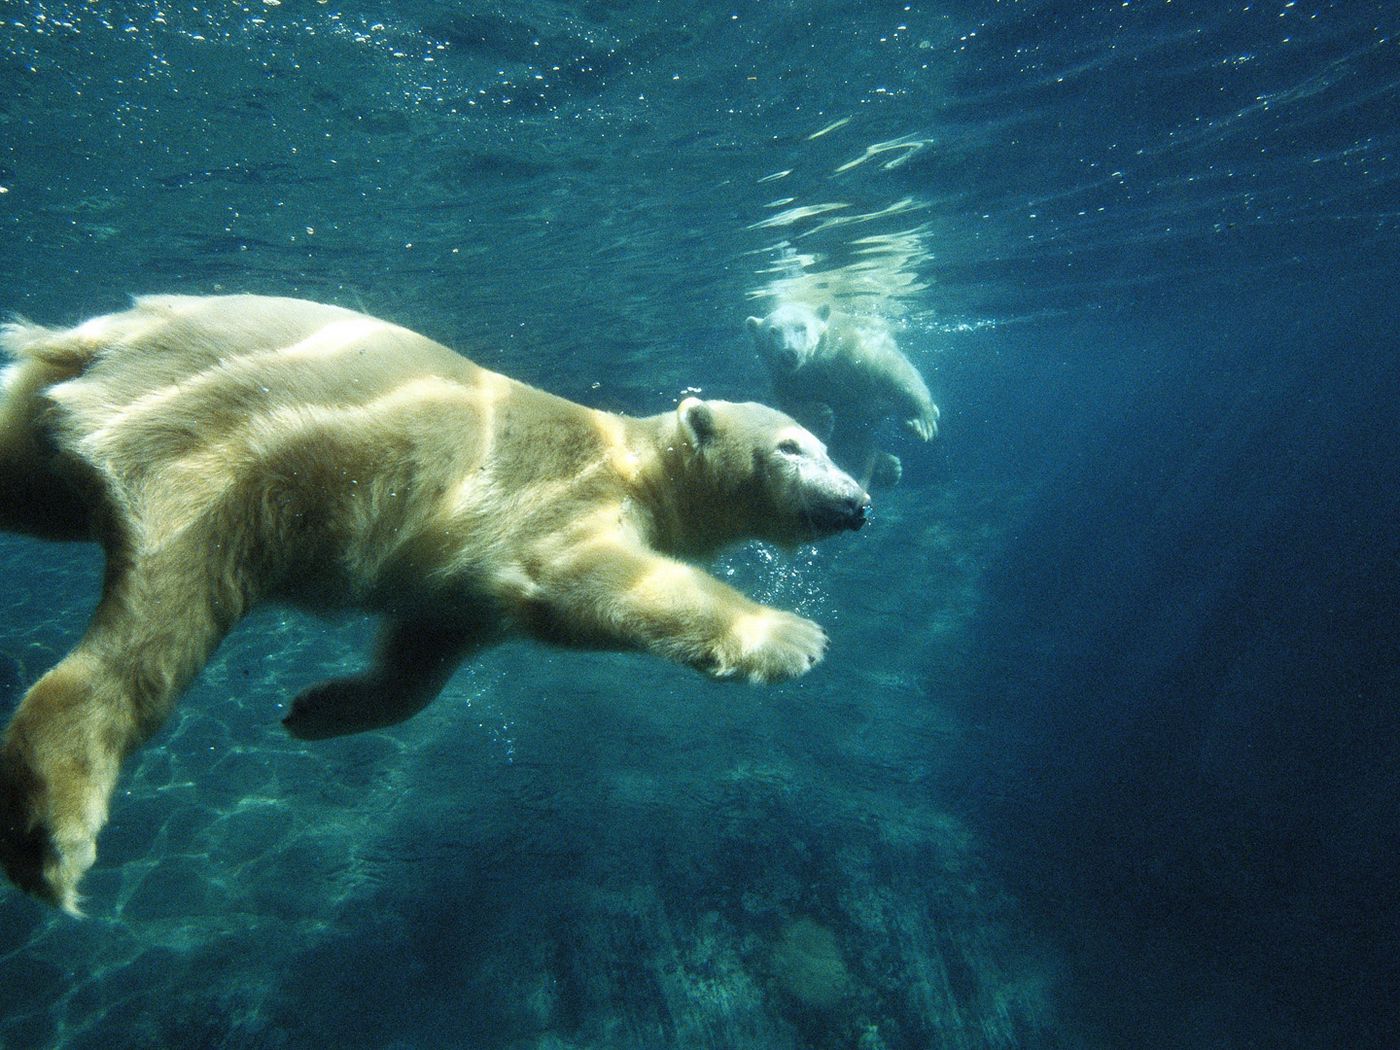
{"x":841,"y":376}
{"x":231,"y":450}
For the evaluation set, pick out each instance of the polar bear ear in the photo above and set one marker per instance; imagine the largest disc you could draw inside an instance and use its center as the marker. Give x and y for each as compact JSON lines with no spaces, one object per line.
{"x":697,"y":421}
{"x":824,"y":311}
{"x":753,"y":324}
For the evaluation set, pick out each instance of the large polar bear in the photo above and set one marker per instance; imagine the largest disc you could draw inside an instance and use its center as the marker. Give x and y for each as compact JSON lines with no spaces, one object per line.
{"x":230,"y":450}
{"x":840,"y":376}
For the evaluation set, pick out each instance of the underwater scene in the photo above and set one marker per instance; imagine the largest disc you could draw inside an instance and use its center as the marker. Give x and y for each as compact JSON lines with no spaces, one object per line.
{"x":1104,"y":749}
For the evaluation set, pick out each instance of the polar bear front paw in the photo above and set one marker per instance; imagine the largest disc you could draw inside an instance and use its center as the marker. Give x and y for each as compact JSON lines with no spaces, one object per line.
{"x":924,"y":425}
{"x":772,"y":646}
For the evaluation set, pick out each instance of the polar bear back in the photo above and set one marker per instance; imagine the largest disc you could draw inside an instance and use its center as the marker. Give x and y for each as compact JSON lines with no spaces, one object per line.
{"x":207,"y":360}
{"x":179,"y":375}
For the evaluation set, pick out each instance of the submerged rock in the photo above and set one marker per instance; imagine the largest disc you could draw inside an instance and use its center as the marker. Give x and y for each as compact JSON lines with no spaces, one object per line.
{"x":807,"y":964}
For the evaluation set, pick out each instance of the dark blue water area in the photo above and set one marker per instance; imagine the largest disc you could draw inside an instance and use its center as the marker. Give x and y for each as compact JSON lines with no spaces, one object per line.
{"x":1193,"y":645}
{"x":1105,"y":750}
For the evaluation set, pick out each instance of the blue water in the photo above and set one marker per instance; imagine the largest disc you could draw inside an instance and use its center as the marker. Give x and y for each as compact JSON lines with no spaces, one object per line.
{"x":1106,"y":749}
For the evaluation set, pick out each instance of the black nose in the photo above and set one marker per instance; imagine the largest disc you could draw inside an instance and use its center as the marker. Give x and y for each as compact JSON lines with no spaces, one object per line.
{"x":858,"y":510}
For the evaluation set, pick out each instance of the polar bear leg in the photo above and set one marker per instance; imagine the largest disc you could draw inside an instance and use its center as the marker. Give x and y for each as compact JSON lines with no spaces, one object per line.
{"x":35,"y":500}
{"x":152,"y":632}
{"x":412,"y":663}
{"x":616,"y":596}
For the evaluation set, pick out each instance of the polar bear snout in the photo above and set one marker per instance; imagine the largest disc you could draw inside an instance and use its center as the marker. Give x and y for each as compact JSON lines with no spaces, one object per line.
{"x":785,"y":358}
{"x":844,"y":506}
{"x":860,"y":514}
{"x":855,"y":511}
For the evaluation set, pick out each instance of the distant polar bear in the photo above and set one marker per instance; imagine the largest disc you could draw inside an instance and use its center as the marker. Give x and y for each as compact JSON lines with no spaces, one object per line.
{"x":840,"y":376}
{"x":231,"y":450}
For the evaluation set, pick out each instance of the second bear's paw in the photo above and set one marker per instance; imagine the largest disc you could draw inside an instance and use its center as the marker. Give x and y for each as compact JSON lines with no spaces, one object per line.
{"x":772,"y":646}
{"x":924,"y":426}
{"x":886,"y":471}
{"x":823,"y":420}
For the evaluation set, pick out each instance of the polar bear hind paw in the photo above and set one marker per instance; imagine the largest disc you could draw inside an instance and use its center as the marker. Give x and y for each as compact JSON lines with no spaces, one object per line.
{"x":886,"y":470}
{"x":47,"y":865}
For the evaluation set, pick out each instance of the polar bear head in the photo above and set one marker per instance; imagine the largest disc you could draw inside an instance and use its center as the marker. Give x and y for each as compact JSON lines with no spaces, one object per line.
{"x":788,"y":337}
{"x":763,"y":475}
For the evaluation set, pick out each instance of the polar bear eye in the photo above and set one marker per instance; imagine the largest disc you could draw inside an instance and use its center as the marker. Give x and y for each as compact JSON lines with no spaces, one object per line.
{"x":788,"y":446}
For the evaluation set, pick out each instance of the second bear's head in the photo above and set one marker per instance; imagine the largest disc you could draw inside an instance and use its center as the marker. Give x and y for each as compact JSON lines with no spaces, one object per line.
{"x":788,"y":337}
{"x":769,"y":478}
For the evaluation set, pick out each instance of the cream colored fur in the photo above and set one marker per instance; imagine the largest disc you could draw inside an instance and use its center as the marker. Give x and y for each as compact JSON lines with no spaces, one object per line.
{"x":231,"y":450}
{"x":841,"y":376}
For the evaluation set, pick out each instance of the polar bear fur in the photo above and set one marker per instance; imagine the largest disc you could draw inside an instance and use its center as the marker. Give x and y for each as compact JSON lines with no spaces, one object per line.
{"x":840,"y":376}
{"x":231,"y":450}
